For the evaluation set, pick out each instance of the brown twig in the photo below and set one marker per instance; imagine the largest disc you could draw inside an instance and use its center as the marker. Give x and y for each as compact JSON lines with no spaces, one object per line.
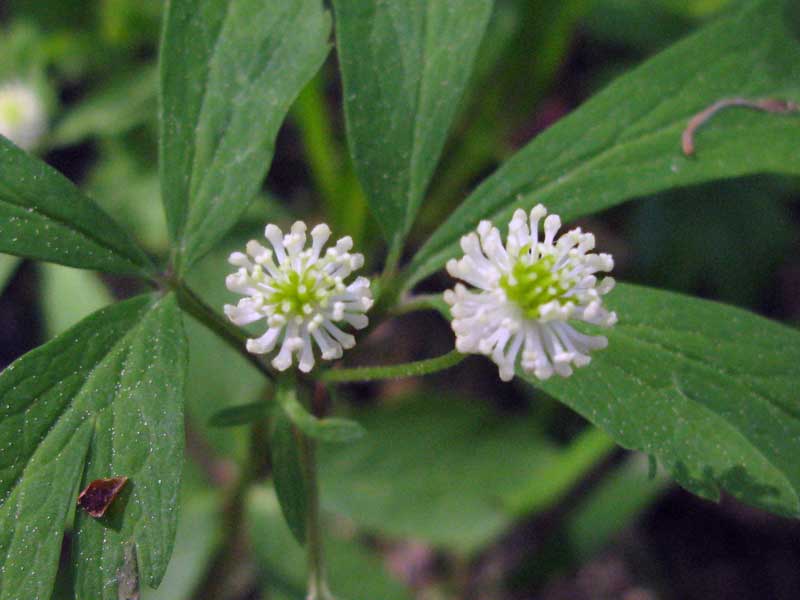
{"x":770,"y":105}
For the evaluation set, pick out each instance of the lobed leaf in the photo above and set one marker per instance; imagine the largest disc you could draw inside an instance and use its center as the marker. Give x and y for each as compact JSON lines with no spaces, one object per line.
{"x":708,"y":389}
{"x":45,"y":217}
{"x":229,"y":72}
{"x":625,"y":142}
{"x":103,"y":399}
{"x":404,"y":67}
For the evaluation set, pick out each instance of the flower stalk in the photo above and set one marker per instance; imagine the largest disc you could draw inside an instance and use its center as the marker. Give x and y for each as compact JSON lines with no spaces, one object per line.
{"x":317,"y":582}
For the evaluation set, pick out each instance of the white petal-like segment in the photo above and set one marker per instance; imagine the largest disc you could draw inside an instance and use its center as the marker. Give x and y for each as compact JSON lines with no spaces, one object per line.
{"x":525,"y":293}
{"x":302,"y":294}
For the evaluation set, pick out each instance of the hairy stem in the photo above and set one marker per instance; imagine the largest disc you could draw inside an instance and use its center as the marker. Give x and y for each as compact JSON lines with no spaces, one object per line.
{"x":410,"y":369}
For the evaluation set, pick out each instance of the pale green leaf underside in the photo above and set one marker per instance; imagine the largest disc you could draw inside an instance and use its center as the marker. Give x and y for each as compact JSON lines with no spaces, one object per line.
{"x":404,"y":69}
{"x":103,"y":399}
{"x":44,"y":216}
{"x":229,"y":72}
{"x":626,"y":141}
{"x":708,"y":389}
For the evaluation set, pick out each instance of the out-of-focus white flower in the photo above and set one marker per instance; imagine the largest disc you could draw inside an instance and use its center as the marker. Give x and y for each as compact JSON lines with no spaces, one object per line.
{"x":527,"y":292}
{"x":301,"y":293}
{"x":23,"y":118}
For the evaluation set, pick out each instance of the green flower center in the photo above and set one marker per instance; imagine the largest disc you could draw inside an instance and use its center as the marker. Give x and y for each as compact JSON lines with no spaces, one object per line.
{"x":534,"y":284}
{"x":299,"y":294}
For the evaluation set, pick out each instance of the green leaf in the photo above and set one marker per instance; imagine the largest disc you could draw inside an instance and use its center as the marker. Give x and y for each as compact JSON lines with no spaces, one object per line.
{"x":552,"y":481}
{"x":103,"y":399}
{"x":614,"y":505}
{"x":709,"y":390}
{"x":404,"y":66}
{"x":625,"y":142}
{"x":353,"y":571}
{"x":229,"y":72}
{"x":287,"y":471}
{"x":198,"y":536}
{"x":331,"y":429}
{"x":437,"y":468}
{"x":44,"y":216}
{"x":241,"y":414}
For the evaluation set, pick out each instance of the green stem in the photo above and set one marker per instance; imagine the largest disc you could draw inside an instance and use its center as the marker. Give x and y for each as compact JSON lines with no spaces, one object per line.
{"x":233,"y":335}
{"x":317,"y":584}
{"x":411,"y":369}
{"x":418,"y":302}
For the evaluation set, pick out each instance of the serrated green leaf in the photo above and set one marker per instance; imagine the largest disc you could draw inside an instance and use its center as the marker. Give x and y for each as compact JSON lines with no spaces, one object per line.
{"x":44,"y":216}
{"x":106,"y":394}
{"x":199,"y":533}
{"x":287,"y":471}
{"x":353,"y":571}
{"x":229,"y":72}
{"x":625,"y":142}
{"x":709,"y":390}
{"x":404,"y":69}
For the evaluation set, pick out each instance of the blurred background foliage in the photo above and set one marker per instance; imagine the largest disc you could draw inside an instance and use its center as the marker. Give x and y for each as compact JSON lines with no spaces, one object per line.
{"x":447,"y":496}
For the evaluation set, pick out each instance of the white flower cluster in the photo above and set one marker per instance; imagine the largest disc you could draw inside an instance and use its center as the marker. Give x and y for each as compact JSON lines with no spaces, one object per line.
{"x":527,"y":291}
{"x":300,"y":292}
{"x":23,"y":118}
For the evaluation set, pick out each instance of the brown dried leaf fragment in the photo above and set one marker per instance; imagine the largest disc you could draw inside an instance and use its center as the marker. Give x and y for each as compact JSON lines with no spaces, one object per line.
{"x":770,"y":105}
{"x":99,"y":495}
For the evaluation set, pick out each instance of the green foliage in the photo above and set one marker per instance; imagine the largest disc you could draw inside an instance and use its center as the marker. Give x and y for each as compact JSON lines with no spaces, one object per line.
{"x":354,"y":572}
{"x":291,"y":484}
{"x":226,"y":66}
{"x":625,"y":142}
{"x":44,"y":216}
{"x":194,"y":546}
{"x":103,"y":399}
{"x":709,"y":390}
{"x":241,"y":414}
{"x":404,"y":68}
{"x":447,"y":471}
{"x":331,"y":429}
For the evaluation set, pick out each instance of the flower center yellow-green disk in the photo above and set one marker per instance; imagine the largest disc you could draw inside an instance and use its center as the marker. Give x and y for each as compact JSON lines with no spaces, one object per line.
{"x":532,"y":285}
{"x":298,"y":291}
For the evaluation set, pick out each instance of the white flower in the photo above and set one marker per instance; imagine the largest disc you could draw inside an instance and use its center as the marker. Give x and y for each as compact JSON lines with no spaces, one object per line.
{"x":527,"y":292}
{"x":23,"y":119}
{"x":300,"y":292}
